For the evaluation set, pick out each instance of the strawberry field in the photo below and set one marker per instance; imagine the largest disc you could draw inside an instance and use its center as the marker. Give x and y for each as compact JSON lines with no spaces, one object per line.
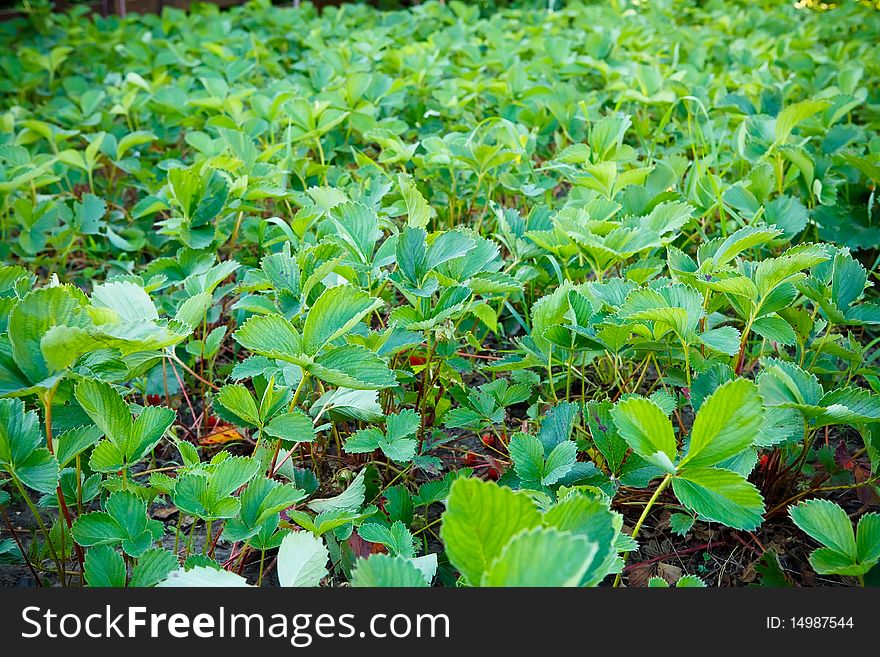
{"x":450,"y":295}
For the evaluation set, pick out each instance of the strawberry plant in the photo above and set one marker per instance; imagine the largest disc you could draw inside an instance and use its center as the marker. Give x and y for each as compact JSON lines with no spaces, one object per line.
{"x":452,"y":295}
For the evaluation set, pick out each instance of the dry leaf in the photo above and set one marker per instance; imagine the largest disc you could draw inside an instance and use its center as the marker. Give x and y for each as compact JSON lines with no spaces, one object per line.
{"x":222,"y":434}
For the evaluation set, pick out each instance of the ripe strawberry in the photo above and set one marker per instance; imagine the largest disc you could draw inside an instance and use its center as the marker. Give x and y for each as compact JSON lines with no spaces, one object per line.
{"x":487,"y":439}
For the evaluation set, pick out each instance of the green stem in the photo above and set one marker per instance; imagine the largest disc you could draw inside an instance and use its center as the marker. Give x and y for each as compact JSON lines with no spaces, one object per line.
{"x":687,"y":362}
{"x":192,"y":533}
{"x":262,"y":561}
{"x":177,"y":532}
{"x":79,"y":488}
{"x":21,"y":549}
{"x":641,"y":520}
{"x":36,"y":514}
{"x":296,"y":393}
{"x":62,"y":503}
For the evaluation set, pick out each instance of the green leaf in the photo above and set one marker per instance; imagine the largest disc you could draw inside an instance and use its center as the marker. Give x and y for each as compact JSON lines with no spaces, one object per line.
{"x":75,"y":441}
{"x":784,"y":383}
{"x":192,"y":311}
{"x":446,"y":246}
{"x":33,"y":317}
{"x":775,"y":329}
{"x":795,"y":113}
{"x":302,"y":560}
{"x":203,"y":577}
{"x":647,"y":430}
{"x":721,"y":496}
{"x":828,"y":523}
{"x":527,"y":453}
{"x":773,"y":272}
{"x":480,"y":519}
{"x":208,"y":494}
{"x":106,"y":408}
{"x":398,"y":539}
{"x":402,"y":424}
{"x":690,"y":582}
{"x":770,"y":571}
{"x":560,"y":461}
{"x":262,"y":499}
{"x":350,"y":499}
{"x":680,"y":523}
{"x":21,"y":451}
{"x":328,"y":520}
{"x":868,"y":539}
{"x":353,"y":366}
{"x":105,"y":567}
{"x":129,"y":301}
{"x":410,"y":250}
{"x":152,"y":567}
{"x":394,"y":443}
{"x":124,"y":523}
{"x":590,"y":517}
{"x":335,"y":313}
{"x":605,"y":435}
{"x":828,"y":561}
{"x":127,"y":441}
{"x":132,"y":139}
{"x":239,"y":401}
{"x":728,"y":422}
{"x":148,"y":429}
{"x":294,"y":427}
{"x":107,"y":457}
{"x":724,"y":339}
{"x":557,"y":424}
{"x":357,"y":226}
{"x":385,"y":571}
{"x":845,"y":406}
{"x":541,"y":557}
{"x":401,"y":450}
{"x":359,"y":405}
{"x":271,"y":336}
{"x":417,"y":209}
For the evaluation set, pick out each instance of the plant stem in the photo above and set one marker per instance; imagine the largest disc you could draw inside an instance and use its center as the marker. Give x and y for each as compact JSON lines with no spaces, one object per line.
{"x":177,"y":360}
{"x":299,"y":387}
{"x":262,"y":561}
{"x":192,"y":534}
{"x":36,"y":514}
{"x":62,"y":504}
{"x":21,"y":547}
{"x":177,"y":532}
{"x":645,"y":511}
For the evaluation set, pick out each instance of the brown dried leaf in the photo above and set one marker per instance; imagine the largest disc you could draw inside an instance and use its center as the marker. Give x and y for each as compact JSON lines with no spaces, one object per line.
{"x":669,"y":572}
